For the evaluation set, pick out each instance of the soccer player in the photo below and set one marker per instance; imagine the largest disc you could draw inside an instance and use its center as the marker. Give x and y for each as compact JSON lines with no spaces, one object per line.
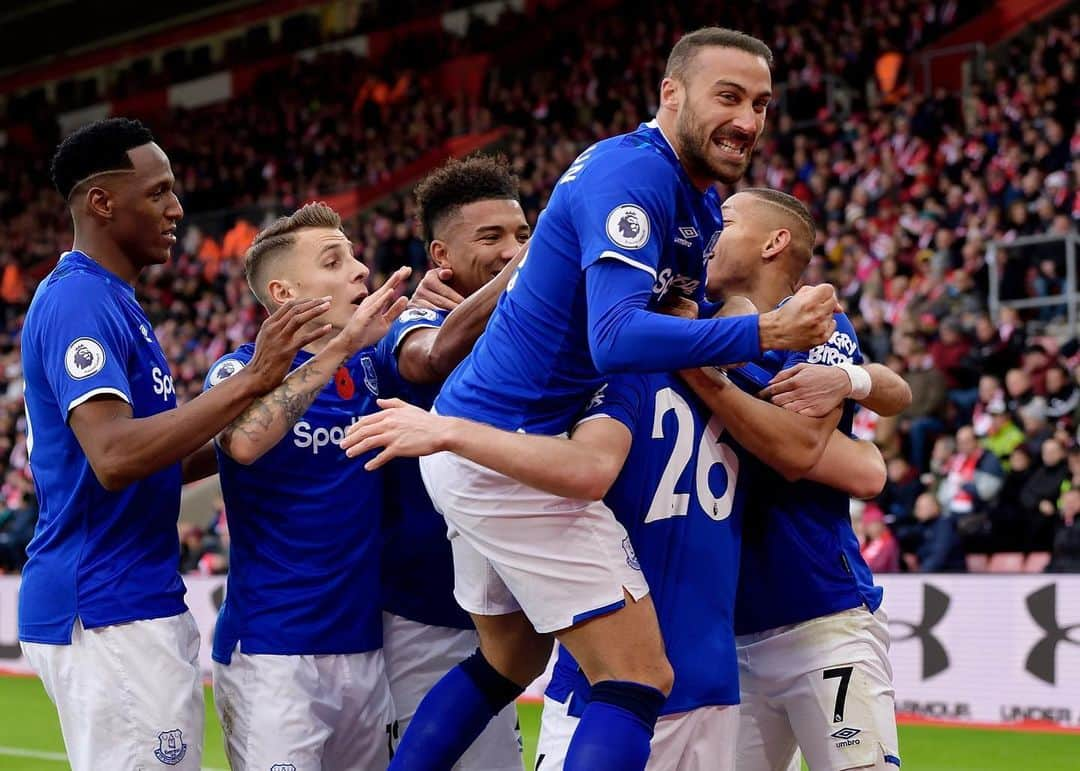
{"x":679,"y":499}
{"x":102,"y":618}
{"x":812,"y":642}
{"x":474,"y":226}
{"x":627,"y":224}
{"x":299,"y":678}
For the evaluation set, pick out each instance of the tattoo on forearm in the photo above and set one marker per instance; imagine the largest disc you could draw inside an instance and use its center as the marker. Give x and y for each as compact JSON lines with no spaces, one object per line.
{"x":281,"y":407}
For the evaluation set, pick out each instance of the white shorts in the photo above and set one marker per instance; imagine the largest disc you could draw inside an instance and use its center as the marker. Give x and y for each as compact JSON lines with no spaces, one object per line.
{"x":559,"y":560}
{"x":129,"y":695}
{"x":824,"y":685}
{"x":417,"y":656}
{"x":699,"y":740}
{"x":311,"y":712}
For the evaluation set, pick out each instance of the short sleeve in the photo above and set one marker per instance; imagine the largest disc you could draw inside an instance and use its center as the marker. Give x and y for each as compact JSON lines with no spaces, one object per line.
{"x":85,"y":346}
{"x":386,"y":350}
{"x":620,"y":398}
{"x":224,"y":368}
{"x":624,"y":208}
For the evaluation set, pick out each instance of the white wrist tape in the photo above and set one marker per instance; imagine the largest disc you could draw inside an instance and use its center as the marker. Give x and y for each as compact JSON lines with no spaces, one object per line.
{"x":860,"y":380}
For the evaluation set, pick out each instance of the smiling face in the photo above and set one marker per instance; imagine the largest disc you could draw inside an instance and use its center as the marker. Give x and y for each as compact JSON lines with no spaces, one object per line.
{"x":478,"y":240}
{"x":720,"y":102}
{"x":145,"y":209}
{"x":320,"y":263}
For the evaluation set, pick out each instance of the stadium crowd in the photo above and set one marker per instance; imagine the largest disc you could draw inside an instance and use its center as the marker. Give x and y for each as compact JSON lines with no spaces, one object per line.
{"x":908,"y":194}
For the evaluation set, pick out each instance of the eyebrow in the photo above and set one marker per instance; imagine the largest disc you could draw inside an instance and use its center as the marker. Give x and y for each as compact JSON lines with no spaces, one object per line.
{"x":739,"y":87}
{"x":331,"y":245}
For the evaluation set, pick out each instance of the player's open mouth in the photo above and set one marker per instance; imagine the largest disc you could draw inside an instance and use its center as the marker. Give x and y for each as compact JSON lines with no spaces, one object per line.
{"x":734,"y":148}
{"x":359,"y":298}
{"x":170,"y":235}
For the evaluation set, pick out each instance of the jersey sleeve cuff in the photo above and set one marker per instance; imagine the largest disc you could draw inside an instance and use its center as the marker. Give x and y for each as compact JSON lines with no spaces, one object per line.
{"x":105,"y":391}
{"x":611,"y":255}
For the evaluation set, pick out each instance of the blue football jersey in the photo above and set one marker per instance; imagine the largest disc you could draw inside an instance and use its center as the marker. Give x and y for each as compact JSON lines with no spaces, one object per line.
{"x":800,"y":556}
{"x":680,"y":496}
{"x":304,"y":528}
{"x":417,"y":566}
{"x":626,"y":199}
{"x":104,"y":557}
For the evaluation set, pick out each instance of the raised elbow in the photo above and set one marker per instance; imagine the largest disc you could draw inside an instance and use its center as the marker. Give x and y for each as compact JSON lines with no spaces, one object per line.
{"x":112,"y":482}
{"x":870,"y":482}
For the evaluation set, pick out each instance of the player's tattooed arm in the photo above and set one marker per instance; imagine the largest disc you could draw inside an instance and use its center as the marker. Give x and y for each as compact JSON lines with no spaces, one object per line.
{"x":266,"y":421}
{"x":269,"y":418}
{"x":583,"y":467}
{"x":816,"y":389}
{"x":122,"y":448}
{"x":430,"y":355}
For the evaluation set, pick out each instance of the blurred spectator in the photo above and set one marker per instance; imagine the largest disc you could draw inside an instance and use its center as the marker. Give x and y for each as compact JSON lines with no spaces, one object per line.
{"x":924,"y":419}
{"x":1002,"y":435}
{"x":938,"y":548}
{"x":1066,"y":553}
{"x":972,"y":481}
{"x":1062,"y":395}
{"x":1007,"y":521}
{"x":1038,"y":498}
{"x":879,"y":547}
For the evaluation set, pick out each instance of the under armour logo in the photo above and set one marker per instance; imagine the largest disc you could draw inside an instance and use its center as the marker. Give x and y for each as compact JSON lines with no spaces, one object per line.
{"x":935,"y":659}
{"x":1042,"y":660}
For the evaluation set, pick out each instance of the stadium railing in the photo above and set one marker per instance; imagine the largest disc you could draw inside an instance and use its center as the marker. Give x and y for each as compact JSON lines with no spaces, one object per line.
{"x":1070,"y":298}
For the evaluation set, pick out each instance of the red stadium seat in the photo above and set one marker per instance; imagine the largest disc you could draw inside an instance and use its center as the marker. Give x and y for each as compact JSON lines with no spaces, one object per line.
{"x":1007,"y":562}
{"x":977,"y":563}
{"x":1036,"y":562}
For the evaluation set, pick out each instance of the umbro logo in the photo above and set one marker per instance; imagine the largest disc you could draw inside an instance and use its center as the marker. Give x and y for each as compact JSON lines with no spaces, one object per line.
{"x":846,"y":733}
{"x":935,"y":659}
{"x":1042,"y":659}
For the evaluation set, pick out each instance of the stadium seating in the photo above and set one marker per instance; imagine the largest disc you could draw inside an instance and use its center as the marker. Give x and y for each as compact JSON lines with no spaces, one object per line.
{"x":908,"y":192}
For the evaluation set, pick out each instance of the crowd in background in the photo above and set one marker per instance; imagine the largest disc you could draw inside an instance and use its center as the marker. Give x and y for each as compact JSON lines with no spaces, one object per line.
{"x":908,"y":190}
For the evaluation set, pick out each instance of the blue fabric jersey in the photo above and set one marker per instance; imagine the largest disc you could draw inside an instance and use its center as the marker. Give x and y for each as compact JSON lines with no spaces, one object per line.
{"x":304,"y":527}
{"x":624,"y":227}
{"x":680,"y":497}
{"x":104,"y":557}
{"x":800,"y":557}
{"x":417,"y":566}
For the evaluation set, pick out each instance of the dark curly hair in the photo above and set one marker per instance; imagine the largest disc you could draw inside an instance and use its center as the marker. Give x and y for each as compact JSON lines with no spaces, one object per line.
{"x":96,"y":147}
{"x":456,"y":183}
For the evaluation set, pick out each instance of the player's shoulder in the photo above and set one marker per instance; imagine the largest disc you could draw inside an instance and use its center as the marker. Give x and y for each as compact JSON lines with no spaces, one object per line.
{"x":417,"y":318}
{"x":636,"y":157}
{"x":229,"y":364}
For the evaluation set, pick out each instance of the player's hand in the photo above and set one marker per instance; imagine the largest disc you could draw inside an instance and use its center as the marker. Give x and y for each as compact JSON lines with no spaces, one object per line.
{"x":679,"y":306}
{"x":373,"y":317}
{"x":813,"y":390}
{"x":434,"y":292}
{"x":802,"y":322}
{"x":401,"y":429}
{"x":281,"y":336}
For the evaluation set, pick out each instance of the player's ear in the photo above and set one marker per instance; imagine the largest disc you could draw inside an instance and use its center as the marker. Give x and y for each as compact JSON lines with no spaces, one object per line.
{"x":670,"y":93}
{"x":280,"y":291}
{"x":440,"y":255}
{"x":777,"y":242}
{"x":98,"y":201}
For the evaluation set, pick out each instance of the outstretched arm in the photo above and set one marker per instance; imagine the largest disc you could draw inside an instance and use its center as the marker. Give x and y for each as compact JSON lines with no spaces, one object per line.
{"x":263,"y":424}
{"x":625,"y":337}
{"x":122,"y":449}
{"x":789,"y":442}
{"x":583,"y":467}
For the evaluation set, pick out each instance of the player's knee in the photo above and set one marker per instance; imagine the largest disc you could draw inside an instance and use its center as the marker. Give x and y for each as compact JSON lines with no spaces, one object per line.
{"x":661,"y":676}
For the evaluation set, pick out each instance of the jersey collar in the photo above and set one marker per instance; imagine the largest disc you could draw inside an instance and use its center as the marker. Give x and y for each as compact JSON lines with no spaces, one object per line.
{"x":75,"y":257}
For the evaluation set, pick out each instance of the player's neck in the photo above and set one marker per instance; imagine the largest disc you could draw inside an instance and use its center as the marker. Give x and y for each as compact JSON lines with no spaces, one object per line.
{"x":108,"y":255}
{"x":665,"y":121}
{"x":766,"y":294}
{"x":316,"y":346}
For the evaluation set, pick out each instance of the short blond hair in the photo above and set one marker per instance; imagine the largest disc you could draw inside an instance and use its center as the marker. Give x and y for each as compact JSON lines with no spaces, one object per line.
{"x":278,"y":237}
